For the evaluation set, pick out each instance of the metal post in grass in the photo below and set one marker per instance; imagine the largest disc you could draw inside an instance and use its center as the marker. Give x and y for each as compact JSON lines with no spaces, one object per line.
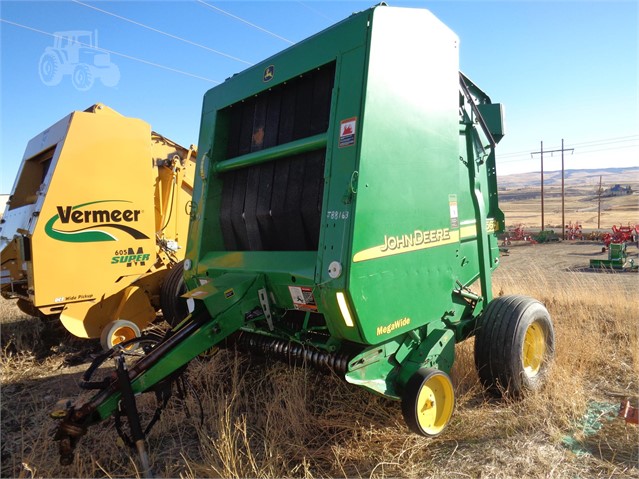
{"x":541,"y":152}
{"x":563,"y":217}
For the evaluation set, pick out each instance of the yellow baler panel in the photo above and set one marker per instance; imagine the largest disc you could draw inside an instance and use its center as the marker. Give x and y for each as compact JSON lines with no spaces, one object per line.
{"x":97,"y":221}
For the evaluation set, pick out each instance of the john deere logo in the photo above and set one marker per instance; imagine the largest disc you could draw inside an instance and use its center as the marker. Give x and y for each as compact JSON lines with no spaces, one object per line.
{"x":81,"y":224}
{"x":269,"y":73}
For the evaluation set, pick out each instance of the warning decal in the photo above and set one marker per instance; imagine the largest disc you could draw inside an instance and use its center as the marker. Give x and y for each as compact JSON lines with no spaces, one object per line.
{"x":303,"y":298}
{"x":454,"y":215}
{"x":347,"y":132}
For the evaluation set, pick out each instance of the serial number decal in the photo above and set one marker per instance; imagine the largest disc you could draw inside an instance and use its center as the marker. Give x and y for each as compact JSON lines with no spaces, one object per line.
{"x":389,"y":328}
{"x":406,"y":243}
{"x":337,"y":215}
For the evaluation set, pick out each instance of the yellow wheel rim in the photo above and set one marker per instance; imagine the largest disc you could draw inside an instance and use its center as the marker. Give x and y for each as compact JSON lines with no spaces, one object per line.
{"x":121,"y":334}
{"x":534,"y":349}
{"x":435,"y":404}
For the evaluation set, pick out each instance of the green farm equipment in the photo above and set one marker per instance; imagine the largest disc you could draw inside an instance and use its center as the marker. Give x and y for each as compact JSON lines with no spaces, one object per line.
{"x":345,"y":204}
{"x":617,"y":259}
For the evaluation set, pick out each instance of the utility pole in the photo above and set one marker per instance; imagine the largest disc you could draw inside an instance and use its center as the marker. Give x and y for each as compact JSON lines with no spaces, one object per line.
{"x":563,"y":217}
{"x":599,"y":204}
{"x":541,"y":152}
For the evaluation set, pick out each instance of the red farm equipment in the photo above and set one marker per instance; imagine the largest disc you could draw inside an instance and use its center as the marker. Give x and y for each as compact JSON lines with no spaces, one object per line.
{"x":573,"y":231}
{"x":621,"y":234}
{"x":517,"y":233}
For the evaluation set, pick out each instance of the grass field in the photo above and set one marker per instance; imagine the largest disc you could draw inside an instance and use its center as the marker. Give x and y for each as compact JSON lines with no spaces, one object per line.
{"x":270,"y":420}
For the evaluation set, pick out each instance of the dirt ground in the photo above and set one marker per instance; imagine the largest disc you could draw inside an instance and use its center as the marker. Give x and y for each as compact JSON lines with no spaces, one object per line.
{"x":562,"y":258}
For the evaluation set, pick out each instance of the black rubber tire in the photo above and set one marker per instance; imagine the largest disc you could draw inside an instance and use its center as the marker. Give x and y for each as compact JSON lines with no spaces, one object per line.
{"x":410,"y":401}
{"x":499,"y":345}
{"x":174,"y":308}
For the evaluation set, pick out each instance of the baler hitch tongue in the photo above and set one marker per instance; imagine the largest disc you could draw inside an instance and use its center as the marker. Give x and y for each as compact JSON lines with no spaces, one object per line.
{"x":157,"y":370}
{"x":69,"y":432}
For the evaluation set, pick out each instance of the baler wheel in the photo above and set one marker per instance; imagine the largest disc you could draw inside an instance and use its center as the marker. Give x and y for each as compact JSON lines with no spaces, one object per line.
{"x":117,"y":332}
{"x":174,"y":308}
{"x":514,"y":346}
{"x":428,"y":402}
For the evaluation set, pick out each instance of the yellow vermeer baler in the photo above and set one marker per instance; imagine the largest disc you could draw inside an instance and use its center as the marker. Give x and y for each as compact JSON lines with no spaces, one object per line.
{"x":95,"y":221}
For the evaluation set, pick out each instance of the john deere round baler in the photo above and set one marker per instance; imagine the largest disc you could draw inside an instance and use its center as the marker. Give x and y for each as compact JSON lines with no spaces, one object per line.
{"x":344,"y":216}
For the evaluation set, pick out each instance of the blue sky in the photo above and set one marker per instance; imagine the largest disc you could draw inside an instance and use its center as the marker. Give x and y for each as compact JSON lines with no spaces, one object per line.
{"x":562,"y":69}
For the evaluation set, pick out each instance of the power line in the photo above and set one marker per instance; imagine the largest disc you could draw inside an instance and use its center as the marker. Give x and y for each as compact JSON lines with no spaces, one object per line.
{"x":245,"y":21}
{"x":609,"y":140}
{"x":524,"y":156}
{"x":112,"y":52}
{"x":162,"y":32}
{"x":316,"y":11}
{"x":598,"y":143}
{"x":593,"y":143}
{"x":562,"y":181}
{"x":609,"y":149}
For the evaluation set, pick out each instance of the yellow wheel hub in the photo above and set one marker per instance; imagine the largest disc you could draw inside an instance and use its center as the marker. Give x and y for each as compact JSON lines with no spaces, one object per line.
{"x":122,"y":334}
{"x":435,"y":404}
{"x":117,"y":332}
{"x":532,"y":355}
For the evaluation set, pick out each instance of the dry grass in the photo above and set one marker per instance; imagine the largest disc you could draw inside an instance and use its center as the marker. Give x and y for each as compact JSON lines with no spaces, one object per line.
{"x":269,"y":420}
{"x":524,"y":206}
{"x":520,"y":199}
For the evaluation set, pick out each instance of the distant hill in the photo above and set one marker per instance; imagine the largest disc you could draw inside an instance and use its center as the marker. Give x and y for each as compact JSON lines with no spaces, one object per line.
{"x":579,"y":177}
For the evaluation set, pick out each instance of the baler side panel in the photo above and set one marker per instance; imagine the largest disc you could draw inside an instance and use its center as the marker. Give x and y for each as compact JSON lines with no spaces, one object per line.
{"x":87,"y":226}
{"x":405,"y":240}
